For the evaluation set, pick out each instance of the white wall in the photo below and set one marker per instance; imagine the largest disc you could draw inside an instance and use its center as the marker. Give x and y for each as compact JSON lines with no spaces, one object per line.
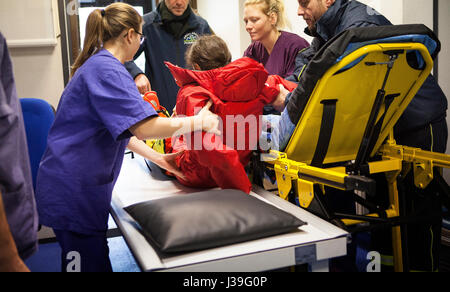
{"x":36,"y":59}
{"x":298,"y":25}
{"x":224,"y":18}
{"x":244,"y":36}
{"x":418,"y":11}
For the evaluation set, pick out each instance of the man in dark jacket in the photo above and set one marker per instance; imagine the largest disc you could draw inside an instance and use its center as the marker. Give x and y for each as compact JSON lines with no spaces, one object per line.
{"x":326,"y":19}
{"x":169,"y":31}
{"x":422,"y":125}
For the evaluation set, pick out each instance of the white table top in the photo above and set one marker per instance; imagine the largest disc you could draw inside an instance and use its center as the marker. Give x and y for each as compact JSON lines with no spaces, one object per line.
{"x":137,"y":184}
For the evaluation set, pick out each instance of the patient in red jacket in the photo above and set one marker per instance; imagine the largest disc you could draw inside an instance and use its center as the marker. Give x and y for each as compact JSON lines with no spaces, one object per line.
{"x":239,"y":91}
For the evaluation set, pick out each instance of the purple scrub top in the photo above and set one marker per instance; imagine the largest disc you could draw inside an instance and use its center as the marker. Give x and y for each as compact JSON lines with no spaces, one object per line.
{"x":16,"y":184}
{"x":86,"y":146}
{"x":282,"y":59}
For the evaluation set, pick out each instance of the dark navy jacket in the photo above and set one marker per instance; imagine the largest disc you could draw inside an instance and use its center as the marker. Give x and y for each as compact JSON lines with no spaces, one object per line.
{"x":161,"y":46}
{"x":428,"y":106}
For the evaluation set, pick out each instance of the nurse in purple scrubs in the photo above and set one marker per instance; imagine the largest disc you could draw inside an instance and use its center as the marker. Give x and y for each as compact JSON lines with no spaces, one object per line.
{"x":274,"y":48}
{"x":100,"y":110}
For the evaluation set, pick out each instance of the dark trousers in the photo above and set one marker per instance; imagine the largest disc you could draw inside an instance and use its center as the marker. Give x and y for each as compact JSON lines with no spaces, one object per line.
{"x":83,"y":253}
{"x":423,"y":236}
{"x":432,"y":137}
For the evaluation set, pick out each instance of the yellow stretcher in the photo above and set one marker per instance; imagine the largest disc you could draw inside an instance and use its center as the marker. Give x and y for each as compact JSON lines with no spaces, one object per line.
{"x":375,"y":91}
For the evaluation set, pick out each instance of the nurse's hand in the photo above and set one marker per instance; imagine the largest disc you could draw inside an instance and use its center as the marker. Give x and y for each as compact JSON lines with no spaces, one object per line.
{"x":168,"y":162}
{"x":165,"y":161}
{"x":209,"y":122}
{"x":143,"y":84}
{"x":278,"y":104}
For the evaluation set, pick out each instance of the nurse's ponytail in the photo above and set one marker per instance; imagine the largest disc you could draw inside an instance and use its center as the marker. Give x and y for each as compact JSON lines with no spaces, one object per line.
{"x":106,"y":24}
{"x":272,"y":6}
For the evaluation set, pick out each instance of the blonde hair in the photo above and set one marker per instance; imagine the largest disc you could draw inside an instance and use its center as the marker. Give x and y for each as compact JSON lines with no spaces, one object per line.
{"x":272,"y":6}
{"x":208,"y":52}
{"x":106,"y":24}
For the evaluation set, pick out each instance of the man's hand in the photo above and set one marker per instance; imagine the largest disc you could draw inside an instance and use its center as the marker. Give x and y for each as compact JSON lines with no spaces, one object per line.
{"x":142,"y":83}
{"x":13,"y":265}
{"x":9,"y":256}
{"x":278,"y":104}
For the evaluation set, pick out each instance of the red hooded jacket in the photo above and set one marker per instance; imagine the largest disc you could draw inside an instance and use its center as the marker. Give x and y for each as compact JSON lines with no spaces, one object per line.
{"x":239,"y":92}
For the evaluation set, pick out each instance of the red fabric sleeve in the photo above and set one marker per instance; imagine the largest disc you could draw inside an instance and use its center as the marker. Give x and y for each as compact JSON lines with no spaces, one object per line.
{"x":272,"y":88}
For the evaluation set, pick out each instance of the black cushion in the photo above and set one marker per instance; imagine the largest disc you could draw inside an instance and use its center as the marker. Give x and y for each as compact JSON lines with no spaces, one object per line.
{"x":209,"y":219}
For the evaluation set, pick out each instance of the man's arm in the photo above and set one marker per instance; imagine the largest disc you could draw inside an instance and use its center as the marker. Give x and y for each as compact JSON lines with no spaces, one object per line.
{"x":9,"y":257}
{"x":131,"y":67}
{"x":141,"y":80}
{"x":303,"y":58}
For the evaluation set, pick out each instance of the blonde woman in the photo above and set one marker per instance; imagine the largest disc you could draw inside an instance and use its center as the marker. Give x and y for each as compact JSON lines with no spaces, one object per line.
{"x":99,"y":112}
{"x":274,"y":48}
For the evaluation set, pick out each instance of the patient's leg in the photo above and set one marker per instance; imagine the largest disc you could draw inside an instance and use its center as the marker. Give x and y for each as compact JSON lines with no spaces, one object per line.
{"x":281,"y":131}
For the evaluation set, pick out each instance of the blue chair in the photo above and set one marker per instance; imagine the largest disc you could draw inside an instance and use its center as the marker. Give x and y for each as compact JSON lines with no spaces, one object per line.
{"x":38,"y":117}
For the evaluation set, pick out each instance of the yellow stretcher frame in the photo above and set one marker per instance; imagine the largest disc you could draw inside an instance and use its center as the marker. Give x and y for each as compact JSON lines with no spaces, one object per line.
{"x":292,"y":167}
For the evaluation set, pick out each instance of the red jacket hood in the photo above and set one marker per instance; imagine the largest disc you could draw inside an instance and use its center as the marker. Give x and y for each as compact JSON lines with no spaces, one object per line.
{"x":241,"y":80}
